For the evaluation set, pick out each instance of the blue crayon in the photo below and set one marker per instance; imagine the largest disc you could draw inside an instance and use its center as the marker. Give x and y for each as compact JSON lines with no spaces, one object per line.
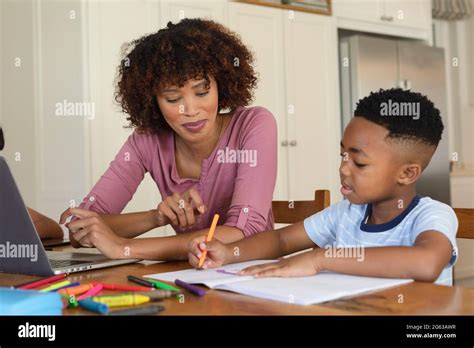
{"x":67,"y":286}
{"x":93,"y":306}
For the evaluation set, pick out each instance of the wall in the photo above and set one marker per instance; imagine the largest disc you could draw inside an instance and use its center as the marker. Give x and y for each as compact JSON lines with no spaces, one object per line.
{"x":457,"y":37}
{"x":46,"y":148}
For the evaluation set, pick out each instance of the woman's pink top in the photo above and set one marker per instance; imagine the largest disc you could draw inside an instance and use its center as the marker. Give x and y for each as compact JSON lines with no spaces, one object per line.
{"x":237,"y":180}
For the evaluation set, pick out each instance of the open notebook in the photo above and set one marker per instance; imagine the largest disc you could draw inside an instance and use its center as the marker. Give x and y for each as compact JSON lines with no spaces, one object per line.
{"x":304,"y":290}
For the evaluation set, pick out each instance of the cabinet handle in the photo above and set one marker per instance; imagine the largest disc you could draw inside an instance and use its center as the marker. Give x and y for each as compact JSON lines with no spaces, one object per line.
{"x":387,"y":18}
{"x":293,"y":143}
{"x":407,"y":84}
{"x":284,"y":143}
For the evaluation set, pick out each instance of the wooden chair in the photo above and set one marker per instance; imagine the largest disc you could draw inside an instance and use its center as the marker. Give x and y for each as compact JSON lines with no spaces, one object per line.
{"x":465,"y":227}
{"x":466,"y":223}
{"x":290,"y":212}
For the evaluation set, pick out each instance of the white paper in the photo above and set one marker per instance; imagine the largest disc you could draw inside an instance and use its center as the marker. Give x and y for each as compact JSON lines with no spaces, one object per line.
{"x":319,"y":288}
{"x":209,"y":277}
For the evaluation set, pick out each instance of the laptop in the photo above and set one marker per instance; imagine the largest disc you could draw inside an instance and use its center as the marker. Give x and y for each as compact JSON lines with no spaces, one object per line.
{"x":21,"y":250}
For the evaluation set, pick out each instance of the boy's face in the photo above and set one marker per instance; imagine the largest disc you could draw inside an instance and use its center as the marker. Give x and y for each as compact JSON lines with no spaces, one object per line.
{"x":369,"y":164}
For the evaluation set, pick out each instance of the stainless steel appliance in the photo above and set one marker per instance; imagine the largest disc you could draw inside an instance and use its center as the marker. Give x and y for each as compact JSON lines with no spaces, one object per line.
{"x":374,"y":63}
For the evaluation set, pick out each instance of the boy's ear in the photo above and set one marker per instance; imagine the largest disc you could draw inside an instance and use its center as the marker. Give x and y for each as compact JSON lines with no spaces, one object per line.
{"x":410,"y":172}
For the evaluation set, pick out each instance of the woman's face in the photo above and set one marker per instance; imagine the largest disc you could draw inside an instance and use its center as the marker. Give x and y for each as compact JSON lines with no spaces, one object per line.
{"x":190,"y":110}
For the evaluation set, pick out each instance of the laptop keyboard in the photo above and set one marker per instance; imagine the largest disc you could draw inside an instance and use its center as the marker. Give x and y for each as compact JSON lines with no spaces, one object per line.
{"x":65,"y":263}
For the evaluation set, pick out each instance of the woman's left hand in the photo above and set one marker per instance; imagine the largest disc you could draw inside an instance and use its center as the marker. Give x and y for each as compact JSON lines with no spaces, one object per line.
{"x":301,"y":265}
{"x":91,"y":227}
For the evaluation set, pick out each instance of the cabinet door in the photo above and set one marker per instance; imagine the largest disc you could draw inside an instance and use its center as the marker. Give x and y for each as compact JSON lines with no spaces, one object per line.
{"x":402,"y":18}
{"x":261,"y":30}
{"x":110,"y":25}
{"x":313,"y":97}
{"x":365,"y":10}
{"x":175,"y":10}
{"x":409,"y":13}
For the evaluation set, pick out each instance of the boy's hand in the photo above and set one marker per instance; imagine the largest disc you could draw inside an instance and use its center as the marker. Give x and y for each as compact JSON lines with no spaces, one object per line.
{"x":301,"y":265}
{"x":216,"y":252}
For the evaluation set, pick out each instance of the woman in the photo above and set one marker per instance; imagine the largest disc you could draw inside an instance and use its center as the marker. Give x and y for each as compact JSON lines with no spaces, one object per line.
{"x":175,"y":86}
{"x":45,"y":227}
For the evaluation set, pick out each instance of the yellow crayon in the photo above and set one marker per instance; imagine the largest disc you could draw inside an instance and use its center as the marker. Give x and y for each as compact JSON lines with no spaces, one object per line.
{"x":56,"y":286}
{"x":121,"y":301}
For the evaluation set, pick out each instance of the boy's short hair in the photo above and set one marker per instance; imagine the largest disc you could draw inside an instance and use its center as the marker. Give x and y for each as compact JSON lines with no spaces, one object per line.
{"x":422,"y":124}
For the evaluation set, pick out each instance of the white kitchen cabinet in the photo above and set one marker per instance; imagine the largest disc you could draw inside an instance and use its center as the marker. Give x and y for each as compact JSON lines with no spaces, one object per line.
{"x":40,"y":68}
{"x":296,"y":60}
{"x":110,"y":25}
{"x":312,"y":94}
{"x":261,"y":30}
{"x":409,"y":13}
{"x":175,"y":10}
{"x":403,"y":18}
{"x":363,"y":10}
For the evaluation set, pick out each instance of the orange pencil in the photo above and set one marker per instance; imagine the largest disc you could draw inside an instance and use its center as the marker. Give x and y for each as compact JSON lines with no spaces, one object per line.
{"x":209,"y":237}
{"x":76,"y":290}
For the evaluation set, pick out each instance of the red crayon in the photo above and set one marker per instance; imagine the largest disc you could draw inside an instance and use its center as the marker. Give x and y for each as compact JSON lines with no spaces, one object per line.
{"x":124,"y":287}
{"x":38,"y":283}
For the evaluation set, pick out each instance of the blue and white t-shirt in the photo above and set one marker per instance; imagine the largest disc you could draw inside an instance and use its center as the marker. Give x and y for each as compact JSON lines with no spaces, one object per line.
{"x":343,"y":225}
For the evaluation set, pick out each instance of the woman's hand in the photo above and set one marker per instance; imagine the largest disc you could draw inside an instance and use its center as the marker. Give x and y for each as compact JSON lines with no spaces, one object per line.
{"x":90,"y":229}
{"x":216,"y":252}
{"x":301,"y":265}
{"x":86,"y":243}
{"x":178,"y":209}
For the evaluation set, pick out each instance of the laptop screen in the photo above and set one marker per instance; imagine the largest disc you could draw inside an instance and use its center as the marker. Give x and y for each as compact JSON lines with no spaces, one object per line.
{"x":21,"y":250}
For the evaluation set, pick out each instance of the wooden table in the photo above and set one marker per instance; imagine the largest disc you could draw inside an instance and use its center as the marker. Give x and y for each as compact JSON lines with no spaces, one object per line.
{"x":411,"y":299}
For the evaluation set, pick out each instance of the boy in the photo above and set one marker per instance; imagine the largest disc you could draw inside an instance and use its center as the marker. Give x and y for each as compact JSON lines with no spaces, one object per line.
{"x":402,"y":235}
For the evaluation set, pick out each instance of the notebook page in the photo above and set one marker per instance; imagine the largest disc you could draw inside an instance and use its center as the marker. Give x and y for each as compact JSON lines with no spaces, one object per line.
{"x":209,"y":277}
{"x":310,"y":290}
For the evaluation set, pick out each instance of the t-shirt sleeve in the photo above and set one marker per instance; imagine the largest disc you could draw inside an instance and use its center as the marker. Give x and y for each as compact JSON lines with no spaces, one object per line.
{"x":251,"y":202}
{"x":119,"y":183}
{"x":321,"y":227}
{"x":438,"y":217}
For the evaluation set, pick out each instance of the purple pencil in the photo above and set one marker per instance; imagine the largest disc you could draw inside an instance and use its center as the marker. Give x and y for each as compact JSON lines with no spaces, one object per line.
{"x":191,"y":288}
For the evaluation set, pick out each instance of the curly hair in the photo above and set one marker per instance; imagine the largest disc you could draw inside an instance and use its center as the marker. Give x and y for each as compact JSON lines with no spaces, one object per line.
{"x":190,"y":49}
{"x":426,"y":128}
